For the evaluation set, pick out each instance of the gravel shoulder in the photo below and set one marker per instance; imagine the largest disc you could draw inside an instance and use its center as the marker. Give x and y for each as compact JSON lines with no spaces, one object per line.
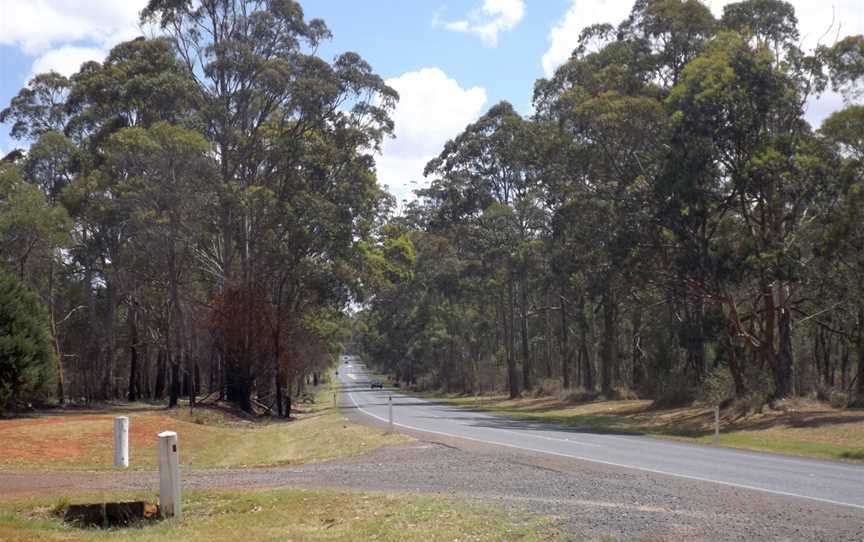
{"x":590,"y":500}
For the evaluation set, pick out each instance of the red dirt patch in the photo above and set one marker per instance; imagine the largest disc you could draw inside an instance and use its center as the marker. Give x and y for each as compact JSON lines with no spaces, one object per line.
{"x":67,"y":440}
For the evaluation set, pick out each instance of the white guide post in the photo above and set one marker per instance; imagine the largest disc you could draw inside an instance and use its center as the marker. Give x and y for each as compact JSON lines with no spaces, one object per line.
{"x":121,"y":441}
{"x":716,"y":424}
{"x":390,"y":408}
{"x":169,"y":475}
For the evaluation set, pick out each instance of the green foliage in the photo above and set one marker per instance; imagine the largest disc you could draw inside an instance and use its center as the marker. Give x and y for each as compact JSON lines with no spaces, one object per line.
{"x":29,"y":227}
{"x":666,"y":209}
{"x":27,"y":360}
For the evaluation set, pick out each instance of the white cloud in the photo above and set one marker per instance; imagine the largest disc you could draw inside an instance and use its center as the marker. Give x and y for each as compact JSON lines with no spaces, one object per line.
{"x":818,"y":22}
{"x":67,"y":59}
{"x":62,"y":34}
{"x":493,"y":17}
{"x":37,"y":25}
{"x":432,"y":109}
{"x":564,"y":36}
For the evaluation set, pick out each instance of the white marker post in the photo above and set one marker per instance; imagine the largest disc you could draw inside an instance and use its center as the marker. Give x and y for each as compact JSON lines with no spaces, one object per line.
{"x":169,"y":476}
{"x":717,"y":424}
{"x":390,"y":403}
{"x":121,"y":441}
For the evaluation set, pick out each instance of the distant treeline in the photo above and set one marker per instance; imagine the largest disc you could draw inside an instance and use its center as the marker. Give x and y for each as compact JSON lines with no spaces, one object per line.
{"x":665,"y":221}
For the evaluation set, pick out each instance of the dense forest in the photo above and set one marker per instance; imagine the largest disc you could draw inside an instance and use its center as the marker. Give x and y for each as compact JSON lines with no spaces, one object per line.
{"x":195,"y":212}
{"x":665,"y":222}
{"x":198,"y":216}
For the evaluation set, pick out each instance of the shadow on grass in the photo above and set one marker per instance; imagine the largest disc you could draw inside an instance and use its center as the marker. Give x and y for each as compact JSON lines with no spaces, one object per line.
{"x":808,"y":420}
{"x":854,"y":456}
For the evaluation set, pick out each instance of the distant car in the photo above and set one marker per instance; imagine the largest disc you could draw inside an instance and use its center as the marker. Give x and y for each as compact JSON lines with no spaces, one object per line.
{"x":375,"y":383}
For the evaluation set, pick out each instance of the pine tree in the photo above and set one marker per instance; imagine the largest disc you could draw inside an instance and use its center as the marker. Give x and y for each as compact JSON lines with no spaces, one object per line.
{"x":26,"y":358}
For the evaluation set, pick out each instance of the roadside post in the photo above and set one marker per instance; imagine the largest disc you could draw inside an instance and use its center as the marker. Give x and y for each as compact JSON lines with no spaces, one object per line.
{"x":390,"y":408}
{"x":121,"y":441}
{"x":169,"y":476}
{"x":716,"y":424}
{"x":334,"y":400}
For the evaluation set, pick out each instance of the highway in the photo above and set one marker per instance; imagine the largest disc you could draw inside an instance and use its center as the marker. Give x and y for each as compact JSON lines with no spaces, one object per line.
{"x":833,"y":483}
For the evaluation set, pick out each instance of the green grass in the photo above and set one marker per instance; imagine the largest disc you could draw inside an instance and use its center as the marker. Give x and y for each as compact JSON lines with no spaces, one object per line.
{"x":813,"y":431}
{"x":207,"y":438}
{"x":292,"y":515}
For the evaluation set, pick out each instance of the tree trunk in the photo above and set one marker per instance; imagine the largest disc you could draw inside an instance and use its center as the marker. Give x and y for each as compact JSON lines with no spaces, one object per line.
{"x":177,"y":335}
{"x":636,"y":349}
{"x":608,"y":352}
{"x":132,"y":394}
{"x":509,"y":330}
{"x":587,"y":374}
{"x":564,"y":347}
{"x":696,"y":338}
{"x":547,"y":333}
{"x":109,"y":386}
{"x":279,"y":397}
{"x":55,"y":339}
{"x":175,"y":384}
{"x":159,"y":386}
{"x":785,"y":369}
{"x":735,"y":366}
{"x":860,"y":376}
{"x":526,"y":349}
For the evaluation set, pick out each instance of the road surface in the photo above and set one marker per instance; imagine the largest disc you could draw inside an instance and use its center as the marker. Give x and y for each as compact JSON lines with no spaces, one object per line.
{"x":832,"y":483}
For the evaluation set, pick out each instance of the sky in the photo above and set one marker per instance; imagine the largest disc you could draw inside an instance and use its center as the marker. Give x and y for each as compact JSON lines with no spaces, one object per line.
{"x":450,"y":60}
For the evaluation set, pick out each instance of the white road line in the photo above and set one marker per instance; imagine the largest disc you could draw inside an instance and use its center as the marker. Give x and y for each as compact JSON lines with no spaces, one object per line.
{"x":610,"y":463}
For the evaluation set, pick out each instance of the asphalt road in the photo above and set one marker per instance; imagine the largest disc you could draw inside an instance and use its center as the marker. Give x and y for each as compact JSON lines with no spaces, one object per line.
{"x":832,"y":483}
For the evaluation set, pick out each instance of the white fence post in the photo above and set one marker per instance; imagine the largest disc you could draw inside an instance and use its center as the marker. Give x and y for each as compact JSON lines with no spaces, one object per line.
{"x":169,"y":475}
{"x":390,"y":403}
{"x":121,"y":441}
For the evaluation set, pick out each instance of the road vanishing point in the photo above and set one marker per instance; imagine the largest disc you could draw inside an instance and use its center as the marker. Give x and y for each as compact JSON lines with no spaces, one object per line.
{"x":828,"y":482}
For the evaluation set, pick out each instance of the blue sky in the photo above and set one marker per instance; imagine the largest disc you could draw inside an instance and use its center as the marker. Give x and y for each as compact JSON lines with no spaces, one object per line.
{"x":450,"y":60}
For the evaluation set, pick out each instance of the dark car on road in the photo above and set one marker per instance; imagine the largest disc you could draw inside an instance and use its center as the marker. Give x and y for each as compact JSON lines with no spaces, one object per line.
{"x":375,"y":383}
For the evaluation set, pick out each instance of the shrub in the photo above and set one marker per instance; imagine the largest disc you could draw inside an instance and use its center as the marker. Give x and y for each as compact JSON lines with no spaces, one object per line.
{"x":26,"y":358}
{"x":839,"y":399}
{"x":718,"y":387}
{"x":674,"y":391}
{"x":547,"y":387}
{"x":578,"y":395}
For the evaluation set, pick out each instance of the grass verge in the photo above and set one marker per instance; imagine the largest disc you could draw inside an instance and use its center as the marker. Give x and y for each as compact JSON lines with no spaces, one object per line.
{"x":292,"y":515}
{"x":207,"y":438}
{"x":803,"y":428}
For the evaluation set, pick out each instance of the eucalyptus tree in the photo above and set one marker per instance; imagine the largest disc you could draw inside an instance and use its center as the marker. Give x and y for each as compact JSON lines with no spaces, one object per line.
{"x":612,"y":126}
{"x":38,"y":115}
{"x":162,"y":174}
{"x":294,"y":138}
{"x":843,"y":243}
{"x":484,"y":184}
{"x":741,"y":101}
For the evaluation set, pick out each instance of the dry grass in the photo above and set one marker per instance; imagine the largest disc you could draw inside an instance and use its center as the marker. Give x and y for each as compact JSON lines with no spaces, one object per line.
{"x":294,"y":515}
{"x":207,"y":438}
{"x":797,"y":427}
